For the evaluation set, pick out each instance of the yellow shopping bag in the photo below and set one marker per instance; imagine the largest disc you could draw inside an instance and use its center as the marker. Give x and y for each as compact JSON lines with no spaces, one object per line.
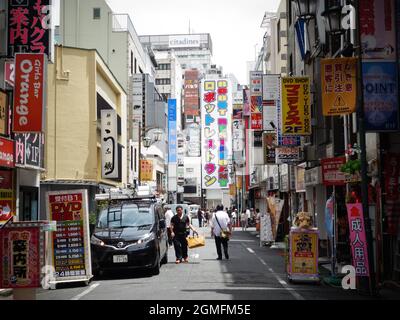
{"x":195,"y":242}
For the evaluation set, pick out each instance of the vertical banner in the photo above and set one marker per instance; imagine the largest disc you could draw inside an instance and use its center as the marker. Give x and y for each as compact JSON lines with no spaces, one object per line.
{"x":237,"y":135}
{"x":70,"y":244}
{"x":339,"y":84}
{"x":271,"y":93}
{"x":269,"y":145}
{"x":22,"y":251}
{"x":296,"y":110}
{"x":246,"y":102}
{"x":216,"y":112}
{"x":3,"y":113}
{"x":29,"y":27}
{"x":358,"y":240}
{"x":29,"y":90}
{"x":381,"y":102}
{"x":284,"y":141}
{"x":109,"y":144}
{"x":146,"y":170}
{"x":256,"y":100}
{"x":6,"y":196}
{"x":191,"y":94}
{"x":392,"y":187}
{"x":172,"y":134}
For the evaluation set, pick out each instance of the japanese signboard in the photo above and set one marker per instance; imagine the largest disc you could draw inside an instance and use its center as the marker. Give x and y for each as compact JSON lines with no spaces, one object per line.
{"x":303,"y":253}
{"x":246,"y":102}
{"x":9,"y":73}
{"x":358,"y":240}
{"x":296,"y":110}
{"x":191,"y":95}
{"x":109,"y":144}
{"x":331,"y":174}
{"x":22,"y":252}
{"x":238,"y":135}
{"x":256,"y":83}
{"x":29,"y":150}
{"x":300,"y":179}
{"x":287,"y":155}
{"x":6,"y":196}
{"x":29,"y":89}
{"x":29,"y":26}
{"x":271,"y":85}
{"x":216,"y":111}
{"x":172,"y":131}
{"x":339,"y":84}
{"x":256,"y":100}
{"x":193,"y":140}
{"x":392,"y":186}
{"x":70,"y":243}
{"x":256,"y":121}
{"x":146,"y":170}
{"x":269,"y":114}
{"x":269,"y":147}
{"x":284,"y":141}
{"x":6,"y":153}
{"x":378,"y":33}
{"x":258,"y":139}
{"x":138,"y":85}
{"x":381,"y":106}
{"x":3,"y":112}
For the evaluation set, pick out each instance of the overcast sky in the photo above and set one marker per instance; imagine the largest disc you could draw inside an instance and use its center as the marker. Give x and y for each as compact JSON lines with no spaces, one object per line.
{"x":234,"y":25}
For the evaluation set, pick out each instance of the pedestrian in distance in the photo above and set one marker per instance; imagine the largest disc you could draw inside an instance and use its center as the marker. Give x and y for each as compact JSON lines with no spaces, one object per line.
{"x":234,"y":217}
{"x":243,"y":221}
{"x":179,"y":225}
{"x":220,"y":225}
{"x":200,"y":217}
{"x":206,"y":217}
{"x":168,"y":216}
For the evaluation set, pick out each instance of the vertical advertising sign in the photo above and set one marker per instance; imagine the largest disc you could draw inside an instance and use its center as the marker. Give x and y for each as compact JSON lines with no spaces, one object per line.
{"x":331,"y":174}
{"x":238,"y":135}
{"x":271,"y":93}
{"x":296,"y":110}
{"x":9,"y":73}
{"x":70,"y":243}
{"x":216,"y":112}
{"x":191,"y":95}
{"x":22,"y":251}
{"x":303,"y":253}
{"x":6,"y":196}
{"x":3,"y":112}
{"x":381,"y":106}
{"x":172,"y":134}
{"x":358,"y":240}
{"x":29,"y":27}
{"x":339,"y":84}
{"x":29,"y":148}
{"x":392,"y":187}
{"x":256,"y":100}
{"x":109,"y":144}
{"x":138,"y":97}
{"x":146,"y":170}
{"x":378,"y":33}
{"x":284,"y":141}
{"x":246,"y":102}
{"x":269,"y":145}
{"x":29,"y":90}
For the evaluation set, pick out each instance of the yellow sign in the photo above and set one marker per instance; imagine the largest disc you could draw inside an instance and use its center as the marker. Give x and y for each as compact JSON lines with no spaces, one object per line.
{"x":232,"y":190}
{"x":296,"y":110}
{"x":3,"y":112}
{"x":304,"y":252}
{"x":146,"y":170}
{"x":339,"y":86}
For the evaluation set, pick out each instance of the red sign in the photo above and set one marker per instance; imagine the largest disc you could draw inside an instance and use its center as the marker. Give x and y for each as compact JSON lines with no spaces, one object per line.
{"x":331,"y":174}
{"x":66,"y":207}
{"x":9,"y":73}
{"x":28,"y":92}
{"x":392,"y":185}
{"x":21,"y":252}
{"x":191,"y":95}
{"x":358,"y":240}
{"x":256,"y":121}
{"x":6,"y":153}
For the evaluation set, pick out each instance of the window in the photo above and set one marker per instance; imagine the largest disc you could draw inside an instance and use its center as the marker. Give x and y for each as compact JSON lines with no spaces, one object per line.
{"x":164,"y":66}
{"x":161,"y":82}
{"x":135,"y":65}
{"x":96,"y":13}
{"x":132,"y":63}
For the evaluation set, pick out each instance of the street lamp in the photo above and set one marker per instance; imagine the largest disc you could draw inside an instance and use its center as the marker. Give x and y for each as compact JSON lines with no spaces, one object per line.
{"x":307,"y":9}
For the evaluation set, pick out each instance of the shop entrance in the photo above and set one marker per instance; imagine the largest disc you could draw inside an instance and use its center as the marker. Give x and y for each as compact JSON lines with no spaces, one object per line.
{"x":28,"y":203}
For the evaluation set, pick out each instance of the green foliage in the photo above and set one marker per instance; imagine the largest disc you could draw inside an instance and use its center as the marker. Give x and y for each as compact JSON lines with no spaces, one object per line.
{"x":351,"y":167}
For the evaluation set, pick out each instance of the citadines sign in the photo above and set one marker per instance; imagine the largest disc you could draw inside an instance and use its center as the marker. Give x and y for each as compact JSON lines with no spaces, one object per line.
{"x":29,"y":92}
{"x":184,"y":41}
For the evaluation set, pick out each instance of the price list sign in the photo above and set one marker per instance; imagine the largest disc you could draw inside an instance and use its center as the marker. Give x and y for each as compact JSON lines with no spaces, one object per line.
{"x":70,"y":242}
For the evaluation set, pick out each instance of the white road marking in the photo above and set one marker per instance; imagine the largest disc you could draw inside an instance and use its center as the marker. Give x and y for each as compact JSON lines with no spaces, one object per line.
{"x":283,"y":283}
{"x":91,"y":288}
{"x":238,"y":240}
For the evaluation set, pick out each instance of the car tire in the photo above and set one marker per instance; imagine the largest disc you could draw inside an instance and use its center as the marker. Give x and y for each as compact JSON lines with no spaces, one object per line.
{"x":156,"y":269}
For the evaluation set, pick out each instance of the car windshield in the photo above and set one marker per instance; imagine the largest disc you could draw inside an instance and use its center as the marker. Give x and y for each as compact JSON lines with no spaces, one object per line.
{"x":126,"y":216}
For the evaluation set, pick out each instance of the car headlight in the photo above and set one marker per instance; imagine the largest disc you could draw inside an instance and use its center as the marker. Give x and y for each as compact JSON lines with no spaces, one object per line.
{"x":96,"y":241}
{"x":146,"y":238}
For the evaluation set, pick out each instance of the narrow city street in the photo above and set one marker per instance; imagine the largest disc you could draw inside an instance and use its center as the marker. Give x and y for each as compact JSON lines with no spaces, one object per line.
{"x":252,"y":273}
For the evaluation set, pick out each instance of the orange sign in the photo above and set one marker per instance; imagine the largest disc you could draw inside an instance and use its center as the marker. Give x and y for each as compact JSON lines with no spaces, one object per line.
{"x":339,"y":86}
{"x":29,"y":92}
{"x":146,"y":170}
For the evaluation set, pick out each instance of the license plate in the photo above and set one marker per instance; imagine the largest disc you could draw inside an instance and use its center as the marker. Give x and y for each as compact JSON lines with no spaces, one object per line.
{"x":120,"y":259}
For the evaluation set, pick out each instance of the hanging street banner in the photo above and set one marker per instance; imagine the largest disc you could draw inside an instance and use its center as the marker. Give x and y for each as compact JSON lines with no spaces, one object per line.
{"x":339,"y":86}
{"x":22,"y":252}
{"x":146,"y":170}
{"x":296,"y":110}
{"x":29,"y":27}
{"x":378,"y":32}
{"x":381,"y":102}
{"x":71,"y":242}
{"x":331,"y":174}
{"x":216,"y":114}
{"x":29,"y":91}
{"x":172,"y":132}
{"x":358,"y":240}
{"x":109,"y":144}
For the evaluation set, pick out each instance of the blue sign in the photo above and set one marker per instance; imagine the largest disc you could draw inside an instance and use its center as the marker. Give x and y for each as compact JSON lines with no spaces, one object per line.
{"x":299,"y":27}
{"x":380,"y":96}
{"x":172,"y":148}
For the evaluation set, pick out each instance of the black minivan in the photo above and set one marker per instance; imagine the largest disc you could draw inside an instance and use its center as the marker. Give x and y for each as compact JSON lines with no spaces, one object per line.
{"x":130,"y":235}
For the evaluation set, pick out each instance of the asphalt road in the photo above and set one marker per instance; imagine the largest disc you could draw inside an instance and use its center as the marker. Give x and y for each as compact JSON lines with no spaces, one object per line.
{"x":252,"y":273}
